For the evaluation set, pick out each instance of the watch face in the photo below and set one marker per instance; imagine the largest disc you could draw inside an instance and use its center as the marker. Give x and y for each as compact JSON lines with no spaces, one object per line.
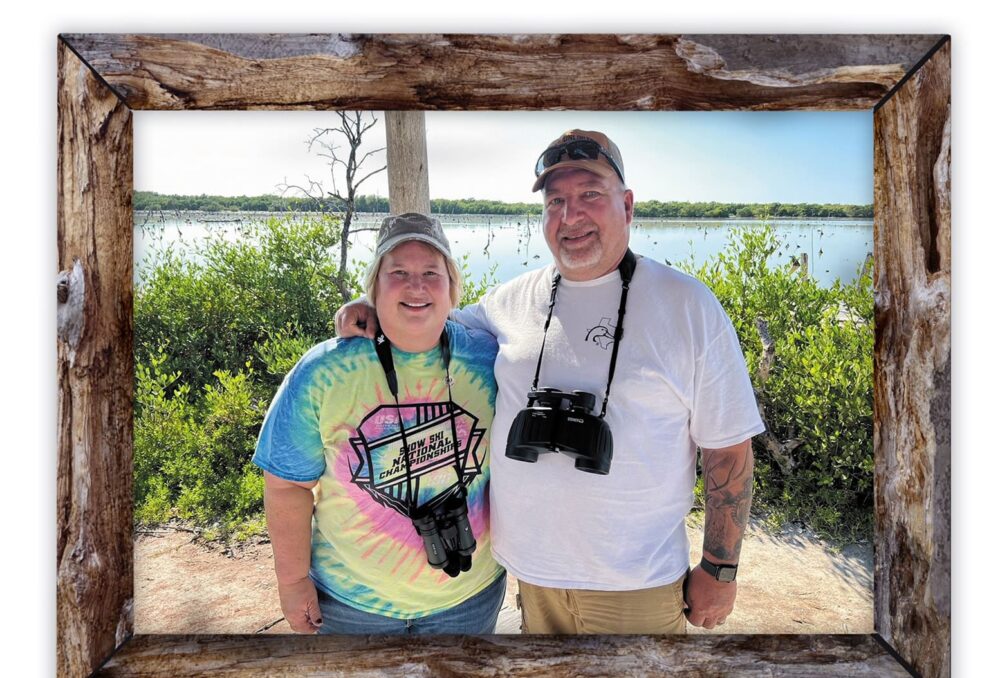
{"x":727,"y":574}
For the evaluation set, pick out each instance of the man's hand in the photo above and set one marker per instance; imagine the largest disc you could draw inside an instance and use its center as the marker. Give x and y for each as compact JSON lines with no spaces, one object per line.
{"x":355,"y":319}
{"x":300,"y":605}
{"x":709,"y":601}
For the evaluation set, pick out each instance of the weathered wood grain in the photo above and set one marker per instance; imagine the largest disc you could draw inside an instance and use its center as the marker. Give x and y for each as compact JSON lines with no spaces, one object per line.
{"x":499,"y":72}
{"x":556,"y":656}
{"x":913,"y":367}
{"x":789,"y":60}
{"x":94,"y":484}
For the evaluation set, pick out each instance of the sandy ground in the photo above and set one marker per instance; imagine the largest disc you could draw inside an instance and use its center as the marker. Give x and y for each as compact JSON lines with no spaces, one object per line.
{"x":790,"y":582}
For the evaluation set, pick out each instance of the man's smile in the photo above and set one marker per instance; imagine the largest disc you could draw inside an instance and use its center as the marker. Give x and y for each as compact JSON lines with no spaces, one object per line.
{"x":579,"y":239}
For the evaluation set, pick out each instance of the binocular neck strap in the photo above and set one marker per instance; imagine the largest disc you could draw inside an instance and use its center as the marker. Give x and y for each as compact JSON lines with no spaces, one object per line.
{"x":446,"y":355}
{"x":626,"y":268}
{"x":545,"y":333}
{"x":383,"y":349}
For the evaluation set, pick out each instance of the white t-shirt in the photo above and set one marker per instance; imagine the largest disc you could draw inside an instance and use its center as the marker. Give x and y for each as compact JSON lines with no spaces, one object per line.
{"x":681,"y":381}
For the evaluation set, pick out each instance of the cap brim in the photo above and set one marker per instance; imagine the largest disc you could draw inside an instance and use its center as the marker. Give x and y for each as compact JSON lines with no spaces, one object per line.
{"x":597,"y":167}
{"x":389,"y":244}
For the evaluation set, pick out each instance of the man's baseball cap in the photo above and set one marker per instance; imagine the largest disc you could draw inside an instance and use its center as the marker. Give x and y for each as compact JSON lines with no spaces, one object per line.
{"x":584,"y":149}
{"x":400,"y":228}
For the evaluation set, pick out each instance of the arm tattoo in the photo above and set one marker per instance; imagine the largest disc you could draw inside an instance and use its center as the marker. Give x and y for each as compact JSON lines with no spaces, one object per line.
{"x":728,"y":490}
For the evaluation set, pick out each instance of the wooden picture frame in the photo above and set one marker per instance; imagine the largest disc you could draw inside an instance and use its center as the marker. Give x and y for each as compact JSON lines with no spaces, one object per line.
{"x":903,"y":79}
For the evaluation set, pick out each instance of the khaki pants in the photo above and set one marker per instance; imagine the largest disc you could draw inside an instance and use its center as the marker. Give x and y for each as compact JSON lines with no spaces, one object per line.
{"x":656,"y":610}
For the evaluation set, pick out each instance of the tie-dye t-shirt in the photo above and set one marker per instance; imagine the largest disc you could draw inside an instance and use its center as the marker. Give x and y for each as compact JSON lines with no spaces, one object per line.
{"x":334,"y":419}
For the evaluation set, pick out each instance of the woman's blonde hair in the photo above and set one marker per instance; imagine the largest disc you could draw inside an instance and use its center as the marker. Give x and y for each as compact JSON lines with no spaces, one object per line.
{"x":454,"y":276}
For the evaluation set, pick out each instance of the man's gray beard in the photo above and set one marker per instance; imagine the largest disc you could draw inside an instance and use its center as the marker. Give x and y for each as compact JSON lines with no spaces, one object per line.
{"x":576,"y":260}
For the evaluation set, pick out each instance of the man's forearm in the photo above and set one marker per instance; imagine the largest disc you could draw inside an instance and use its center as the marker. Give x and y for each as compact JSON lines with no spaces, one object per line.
{"x":472,"y":316}
{"x":289,"y":523}
{"x":728,"y":474}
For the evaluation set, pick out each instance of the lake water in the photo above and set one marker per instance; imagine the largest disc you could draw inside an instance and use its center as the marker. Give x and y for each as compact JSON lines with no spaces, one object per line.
{"x":835,"y":247}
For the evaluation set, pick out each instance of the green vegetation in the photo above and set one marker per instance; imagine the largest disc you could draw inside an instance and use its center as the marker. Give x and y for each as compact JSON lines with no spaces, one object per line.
{"x":652,"y":209}
{"x":214,"y":336}
{"x":819,"y":389}
{"x":216,"y":333}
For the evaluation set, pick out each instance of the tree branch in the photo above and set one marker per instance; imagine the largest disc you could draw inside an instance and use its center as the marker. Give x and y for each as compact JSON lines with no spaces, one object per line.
{"x":372,"y":152}
{"x":353,"y":125}
{"x":767,"y":354}
{"x":365,"y":178}
{"x":780,"y":451}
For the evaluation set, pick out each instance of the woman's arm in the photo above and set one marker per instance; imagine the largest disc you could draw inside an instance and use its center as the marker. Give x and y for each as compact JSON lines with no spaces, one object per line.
{"x":289,"y":506}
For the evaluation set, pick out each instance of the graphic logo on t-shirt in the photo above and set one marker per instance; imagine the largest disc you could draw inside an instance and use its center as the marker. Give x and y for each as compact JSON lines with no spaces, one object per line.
{"x":603,"y":334}
{"x":381,"y":468}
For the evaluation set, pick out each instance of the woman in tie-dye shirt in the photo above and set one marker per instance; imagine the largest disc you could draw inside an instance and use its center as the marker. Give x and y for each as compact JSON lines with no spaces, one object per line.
{"x":340,"y":495}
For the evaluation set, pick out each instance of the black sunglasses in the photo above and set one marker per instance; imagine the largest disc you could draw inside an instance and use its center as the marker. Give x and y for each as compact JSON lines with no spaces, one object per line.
{"x":577,"y":149}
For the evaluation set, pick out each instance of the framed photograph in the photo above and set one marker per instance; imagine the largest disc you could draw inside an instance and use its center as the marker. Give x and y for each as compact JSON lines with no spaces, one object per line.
{"x":903,"y":80}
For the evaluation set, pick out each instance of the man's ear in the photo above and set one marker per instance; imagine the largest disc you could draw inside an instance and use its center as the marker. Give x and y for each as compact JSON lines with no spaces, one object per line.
{"x":628,"y":197}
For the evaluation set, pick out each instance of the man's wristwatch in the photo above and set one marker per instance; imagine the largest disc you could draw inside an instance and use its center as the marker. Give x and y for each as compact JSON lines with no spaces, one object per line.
{"x":723,"y":573}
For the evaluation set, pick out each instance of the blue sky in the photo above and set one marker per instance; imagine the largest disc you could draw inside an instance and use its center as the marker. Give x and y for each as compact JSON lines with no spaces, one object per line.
{"x":820,"y":157}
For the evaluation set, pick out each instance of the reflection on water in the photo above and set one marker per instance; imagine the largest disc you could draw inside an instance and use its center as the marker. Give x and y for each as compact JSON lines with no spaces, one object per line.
{"x":835,"y":247}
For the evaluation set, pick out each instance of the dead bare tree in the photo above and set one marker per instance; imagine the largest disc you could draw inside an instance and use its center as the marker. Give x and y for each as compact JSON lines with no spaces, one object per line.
{"x":346,"y":163}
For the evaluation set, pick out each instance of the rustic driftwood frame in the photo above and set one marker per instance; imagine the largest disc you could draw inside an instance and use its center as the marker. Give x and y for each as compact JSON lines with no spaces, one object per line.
{"x":903,"y":79}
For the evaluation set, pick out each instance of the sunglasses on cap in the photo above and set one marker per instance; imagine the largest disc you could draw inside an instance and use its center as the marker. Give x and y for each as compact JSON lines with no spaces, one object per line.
{"x":577,"y":149}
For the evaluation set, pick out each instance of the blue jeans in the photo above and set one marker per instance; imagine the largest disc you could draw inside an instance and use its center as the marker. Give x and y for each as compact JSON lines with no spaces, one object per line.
{"x":475,"y":616}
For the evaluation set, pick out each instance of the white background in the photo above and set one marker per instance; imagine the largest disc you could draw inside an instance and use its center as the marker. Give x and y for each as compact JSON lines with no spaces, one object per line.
{"x":29,"y":261}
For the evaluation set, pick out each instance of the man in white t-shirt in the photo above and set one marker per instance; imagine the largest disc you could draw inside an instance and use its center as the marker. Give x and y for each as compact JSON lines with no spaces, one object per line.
{"x":609,"y":553}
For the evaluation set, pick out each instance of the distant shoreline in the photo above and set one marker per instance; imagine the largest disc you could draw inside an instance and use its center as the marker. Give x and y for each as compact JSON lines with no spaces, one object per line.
{"x":147,"y":201}
{"x":237,"y":215}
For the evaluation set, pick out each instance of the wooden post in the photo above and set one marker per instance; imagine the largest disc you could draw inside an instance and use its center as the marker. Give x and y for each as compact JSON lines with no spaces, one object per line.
{"x":406,"y":156}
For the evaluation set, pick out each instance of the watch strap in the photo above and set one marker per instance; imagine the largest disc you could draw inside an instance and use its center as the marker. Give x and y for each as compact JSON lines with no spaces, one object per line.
{"x":723,"y":573}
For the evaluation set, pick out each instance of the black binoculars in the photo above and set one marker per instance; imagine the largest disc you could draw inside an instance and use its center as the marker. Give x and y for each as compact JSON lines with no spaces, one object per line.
{"x":555,"y":421}
{"x":447,"y":534}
